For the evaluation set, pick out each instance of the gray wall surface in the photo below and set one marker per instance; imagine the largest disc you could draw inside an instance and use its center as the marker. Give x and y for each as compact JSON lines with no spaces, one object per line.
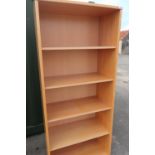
{"x":34,"y":118}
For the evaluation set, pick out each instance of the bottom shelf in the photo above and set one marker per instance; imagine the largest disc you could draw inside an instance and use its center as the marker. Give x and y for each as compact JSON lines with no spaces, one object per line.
{"x":86,"y":148}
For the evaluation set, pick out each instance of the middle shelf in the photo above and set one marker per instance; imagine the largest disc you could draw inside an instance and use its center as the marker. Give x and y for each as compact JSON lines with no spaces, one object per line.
{"x":74,"y":108}
{"x":74,"y":80}
{"x":75,"y":132}
{"x":77,"y":48}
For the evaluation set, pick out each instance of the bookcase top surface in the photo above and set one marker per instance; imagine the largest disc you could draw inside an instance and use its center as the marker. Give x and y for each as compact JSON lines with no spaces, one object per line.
{"x":74,"y":7}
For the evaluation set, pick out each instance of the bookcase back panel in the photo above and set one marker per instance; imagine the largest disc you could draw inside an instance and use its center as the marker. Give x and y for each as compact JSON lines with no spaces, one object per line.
{"x":69,"y":93}
{"x":57,"y":63}
{"x":68,"y":30}
{"x":60,"y":122}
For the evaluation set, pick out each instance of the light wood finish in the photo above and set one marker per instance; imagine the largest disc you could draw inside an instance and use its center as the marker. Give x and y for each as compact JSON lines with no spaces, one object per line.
{"x":70,"y":62}
{"x":86,"y":148}
{"x":77,"y":52}
{"x":74,"y":80}
{"x":77,"y":48}
{"x":70,"y":93}
{"x":70,"y":120}
{"x":74,"y":108}
{"x":106,"y":63}
{"x":105,"y":118}
{"x":76,"y":132}
{"x":104,"y":92}
{"x":111,"y":23}
{"x":80,"y":30}
{"x":109,"y":26}
{"x":41,"y":72}
{"x":71,"y":7}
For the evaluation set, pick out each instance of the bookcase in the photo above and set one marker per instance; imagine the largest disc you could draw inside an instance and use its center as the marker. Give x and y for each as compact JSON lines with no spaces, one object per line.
{"x":77,"y":52}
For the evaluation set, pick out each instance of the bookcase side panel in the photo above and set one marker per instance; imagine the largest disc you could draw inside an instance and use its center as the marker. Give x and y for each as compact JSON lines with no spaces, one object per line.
{"x":107,"y":63}
{"x":41,"y":73}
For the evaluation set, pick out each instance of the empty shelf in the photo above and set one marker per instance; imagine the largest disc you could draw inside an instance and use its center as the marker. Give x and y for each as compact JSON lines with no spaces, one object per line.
{"x":86,"y":148}
{"x":77,"y":48}
{"x":74,"y":80}
{"x":74,"y":108}
{"x":76,"y":132}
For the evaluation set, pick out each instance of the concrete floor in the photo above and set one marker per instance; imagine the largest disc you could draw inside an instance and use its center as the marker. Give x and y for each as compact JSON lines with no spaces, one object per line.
{"x":120,"y":146}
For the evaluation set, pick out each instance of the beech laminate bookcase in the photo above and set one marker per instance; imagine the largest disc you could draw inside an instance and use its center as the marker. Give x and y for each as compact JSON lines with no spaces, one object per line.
{"x":77,"y":52}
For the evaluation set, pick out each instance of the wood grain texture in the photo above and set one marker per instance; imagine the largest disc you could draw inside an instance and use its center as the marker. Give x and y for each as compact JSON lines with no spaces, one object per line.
{"x":70,"y":93}
{"x":70,"y":120}
{"x":74,"y":80}
{"x":68,"y":30}
{"x":71,"y":7}
{"x":104,"y":92}
{"x":108,"y":63}
{"x":86,"y":148}
{"x":70,"y":62}
{"x":76,"y":132}
{"x":78,"y":52}
{"x":41,"y":72}
{"x":74,"y":108}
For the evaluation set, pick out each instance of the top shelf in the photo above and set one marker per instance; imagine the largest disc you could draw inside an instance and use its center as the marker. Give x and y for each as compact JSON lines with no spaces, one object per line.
{"x":77,"y":48}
